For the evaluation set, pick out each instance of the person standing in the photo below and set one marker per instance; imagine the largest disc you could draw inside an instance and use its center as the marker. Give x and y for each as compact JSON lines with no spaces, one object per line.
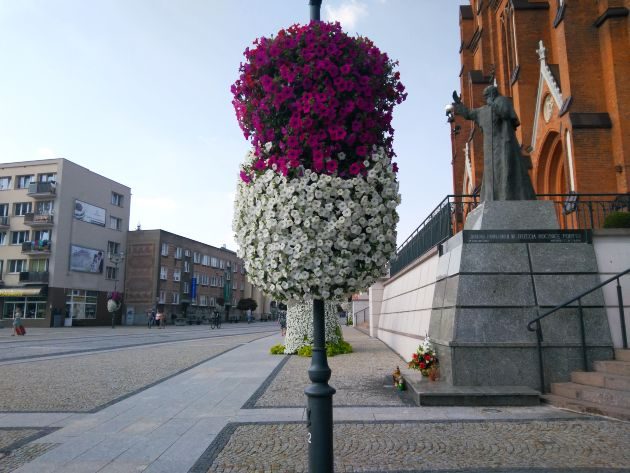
{"x":249,"y":315}
{"x":282,"y":321}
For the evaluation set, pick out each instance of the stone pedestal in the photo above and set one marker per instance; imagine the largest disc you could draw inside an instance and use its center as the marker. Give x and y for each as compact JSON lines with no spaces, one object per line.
{"x":486,"y":293}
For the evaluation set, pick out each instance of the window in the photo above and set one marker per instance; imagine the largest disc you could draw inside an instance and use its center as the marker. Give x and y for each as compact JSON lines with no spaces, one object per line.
{"x":115,"y":223}
{"x":196,"y":257}
{"x":41,"y":235}
{"x":81,"y":304}
{"x":163,"y":273}
{"x":22,"y":182}
{"x":175,"y":298}
{"x":211,"y":302}
{"x":234,"y":284}
{"x":205,"y":260}
{"x":22,"y":208}
{"x":38,"y":265}
{"x":4,"y":210}
{"x":111,"y":273}
{"x":113,"y":248}
{"x":17,"y":265}
{"x":162,"y":298}
{"x":47,"y":177}
{"x":5,"y":183}
{"x":203,"y":300}
{"x":187,"y":253}
{"x":117,"y":199}
{"x":235,"y":266}
{"x":221,"y":264}
{"x":3,"y":238}
{"x":164,"y":249}
{"x":178,"y":253}
{"x":44,"y":207}
{"x":185,"y":287}
{"x":177,"y":275}
{"x":17,"y":238}
{"x":33,"y":307}
{"x":214,"y":262}
{"x":187,"y":266}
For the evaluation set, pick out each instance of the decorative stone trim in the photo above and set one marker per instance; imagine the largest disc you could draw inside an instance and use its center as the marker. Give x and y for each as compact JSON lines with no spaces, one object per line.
{"x":590,"y":120}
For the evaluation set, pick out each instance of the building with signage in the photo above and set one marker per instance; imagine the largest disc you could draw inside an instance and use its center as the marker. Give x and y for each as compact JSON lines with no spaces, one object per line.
{"x":59,"y":225}
{"x":181,"y":274}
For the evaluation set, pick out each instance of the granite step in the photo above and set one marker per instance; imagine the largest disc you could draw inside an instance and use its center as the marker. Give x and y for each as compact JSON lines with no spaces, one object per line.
{"x":602,"y":380}
{"x":613,"y":367}
{"x":586,"y":407}
{"x":602,"y":396}
{"x":622,"y":355}
{"x":440,"y":393}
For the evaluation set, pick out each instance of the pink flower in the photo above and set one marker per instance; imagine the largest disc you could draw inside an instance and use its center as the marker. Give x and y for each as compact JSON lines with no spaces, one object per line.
{"x":355,"y":168}
{"x":245,"y":177}
{"x":331,"y":166}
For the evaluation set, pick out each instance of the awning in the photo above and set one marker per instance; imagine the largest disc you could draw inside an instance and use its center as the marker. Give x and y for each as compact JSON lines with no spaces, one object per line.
{"x":22,"y":291}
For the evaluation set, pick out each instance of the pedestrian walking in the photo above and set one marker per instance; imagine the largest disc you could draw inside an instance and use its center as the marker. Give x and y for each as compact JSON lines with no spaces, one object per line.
{"x":150,"y":318}
{"x":282,"y":321}
{"x":160,"y":318}
{"x":18,"y":328}
{"x":249,"y":316}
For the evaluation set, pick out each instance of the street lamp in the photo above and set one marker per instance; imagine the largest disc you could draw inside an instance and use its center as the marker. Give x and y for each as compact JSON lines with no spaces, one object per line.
{"x":115,"y":259}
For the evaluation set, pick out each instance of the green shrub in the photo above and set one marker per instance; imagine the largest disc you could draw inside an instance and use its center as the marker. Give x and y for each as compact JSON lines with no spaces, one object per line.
{"x":617,"y":220}
{"x":277,"y":349}
{"x":306,"y":350}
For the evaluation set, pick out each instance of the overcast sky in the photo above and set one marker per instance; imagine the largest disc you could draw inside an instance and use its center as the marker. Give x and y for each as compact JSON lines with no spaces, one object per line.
{"x":139,"y":91}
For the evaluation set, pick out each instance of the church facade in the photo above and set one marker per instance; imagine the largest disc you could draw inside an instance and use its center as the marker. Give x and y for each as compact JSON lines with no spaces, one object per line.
{"x":565,"y":64}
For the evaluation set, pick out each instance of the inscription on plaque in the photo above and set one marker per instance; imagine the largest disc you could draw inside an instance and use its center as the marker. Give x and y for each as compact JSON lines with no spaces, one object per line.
{"x":527,"y":236}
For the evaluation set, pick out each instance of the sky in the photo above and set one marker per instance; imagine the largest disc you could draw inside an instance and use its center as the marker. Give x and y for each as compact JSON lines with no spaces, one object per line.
{"x":139,"y":91}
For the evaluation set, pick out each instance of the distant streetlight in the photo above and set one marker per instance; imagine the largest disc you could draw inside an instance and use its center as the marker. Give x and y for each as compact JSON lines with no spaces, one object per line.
{"x":115,"y":259}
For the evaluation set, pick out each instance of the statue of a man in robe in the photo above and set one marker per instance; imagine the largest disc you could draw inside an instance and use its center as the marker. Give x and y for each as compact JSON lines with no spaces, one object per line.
{"x":505,"y":175}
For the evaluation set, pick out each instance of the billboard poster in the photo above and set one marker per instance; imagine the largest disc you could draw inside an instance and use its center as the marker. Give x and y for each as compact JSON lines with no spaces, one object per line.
{"x":89,"y":213}
{"x":193,"y":287}
{"x":86,"y":260}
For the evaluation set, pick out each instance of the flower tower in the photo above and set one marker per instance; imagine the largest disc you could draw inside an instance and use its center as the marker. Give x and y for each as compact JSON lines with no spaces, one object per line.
{"x":315,"y":211}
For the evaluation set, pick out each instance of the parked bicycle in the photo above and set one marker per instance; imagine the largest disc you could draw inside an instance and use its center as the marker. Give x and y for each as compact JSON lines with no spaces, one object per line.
{"x":215,"y":320}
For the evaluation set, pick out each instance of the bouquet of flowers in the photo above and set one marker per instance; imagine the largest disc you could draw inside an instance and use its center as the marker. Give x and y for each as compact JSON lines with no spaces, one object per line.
{"x":424,"y":359}
{"x":315,"y":211}
{"x":114,"y":299}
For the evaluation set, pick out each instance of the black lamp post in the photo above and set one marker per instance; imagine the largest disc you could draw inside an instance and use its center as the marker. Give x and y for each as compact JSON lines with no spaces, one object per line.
{"x":116,"y":259}
{"x":320,"y":406}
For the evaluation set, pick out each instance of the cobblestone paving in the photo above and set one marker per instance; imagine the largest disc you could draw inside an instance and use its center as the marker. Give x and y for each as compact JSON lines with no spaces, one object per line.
{"x":360,"y":377}
{"x":15,"y":449}
{"x":431,"y":446}
{"x":85,"y":382}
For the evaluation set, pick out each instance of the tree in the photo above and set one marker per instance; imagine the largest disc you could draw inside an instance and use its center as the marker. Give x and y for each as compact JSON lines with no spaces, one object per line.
{"x":247,"y":303}
{"x":220,"y":301}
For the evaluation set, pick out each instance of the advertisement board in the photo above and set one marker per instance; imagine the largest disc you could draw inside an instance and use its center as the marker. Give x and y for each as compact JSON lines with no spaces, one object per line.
{"x":89,"y":213}
{"x":86,"y":260}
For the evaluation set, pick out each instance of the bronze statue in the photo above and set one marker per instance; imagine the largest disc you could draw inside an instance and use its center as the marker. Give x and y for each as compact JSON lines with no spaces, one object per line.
{"x":505,"y":175}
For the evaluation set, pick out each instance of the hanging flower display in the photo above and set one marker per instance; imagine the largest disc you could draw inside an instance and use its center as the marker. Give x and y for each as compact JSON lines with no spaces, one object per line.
{"x":114,"y":300}
{"x":315,"y":212}
{"x":300,"y":325}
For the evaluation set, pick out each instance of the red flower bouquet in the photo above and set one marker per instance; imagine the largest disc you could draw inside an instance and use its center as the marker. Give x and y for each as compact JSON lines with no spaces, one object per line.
{"x":424,"y":359}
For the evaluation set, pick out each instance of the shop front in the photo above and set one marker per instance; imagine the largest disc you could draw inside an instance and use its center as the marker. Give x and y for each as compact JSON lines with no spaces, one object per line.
{"x":30,"y":302}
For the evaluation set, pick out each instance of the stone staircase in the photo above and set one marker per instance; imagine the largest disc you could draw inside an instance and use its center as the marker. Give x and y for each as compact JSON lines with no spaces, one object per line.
{"x":605,"y":391}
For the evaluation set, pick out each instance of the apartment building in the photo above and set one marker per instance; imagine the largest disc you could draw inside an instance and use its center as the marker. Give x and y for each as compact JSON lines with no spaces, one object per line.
{"x":61,"y":228}
{"x":179,"y":273}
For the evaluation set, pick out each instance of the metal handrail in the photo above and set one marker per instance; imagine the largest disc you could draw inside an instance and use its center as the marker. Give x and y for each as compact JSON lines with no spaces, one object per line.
{"x":534,"y":325}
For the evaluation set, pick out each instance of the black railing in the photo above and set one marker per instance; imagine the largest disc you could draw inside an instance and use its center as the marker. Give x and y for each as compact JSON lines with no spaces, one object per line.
{"x":534,"y":325}
{"x":574,"y":211}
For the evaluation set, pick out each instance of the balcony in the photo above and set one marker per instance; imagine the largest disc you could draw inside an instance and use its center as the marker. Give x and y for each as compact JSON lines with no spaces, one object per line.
{"x":34,"y":277}
{"x":36,"y":247}
{"x":42,"y":190}
{"x":38,"y":220}
{"x":4,"y":221}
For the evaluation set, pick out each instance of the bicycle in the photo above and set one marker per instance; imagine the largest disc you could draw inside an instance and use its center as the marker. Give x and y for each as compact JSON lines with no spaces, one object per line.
{"x":215,"y":321}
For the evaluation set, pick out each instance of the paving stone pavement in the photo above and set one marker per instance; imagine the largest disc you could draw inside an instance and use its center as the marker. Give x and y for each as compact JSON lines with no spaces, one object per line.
{"x":567,"y":445}
{"x":202,"y":420}
{"x":361,"y":378}
{"x":16,"y":447}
